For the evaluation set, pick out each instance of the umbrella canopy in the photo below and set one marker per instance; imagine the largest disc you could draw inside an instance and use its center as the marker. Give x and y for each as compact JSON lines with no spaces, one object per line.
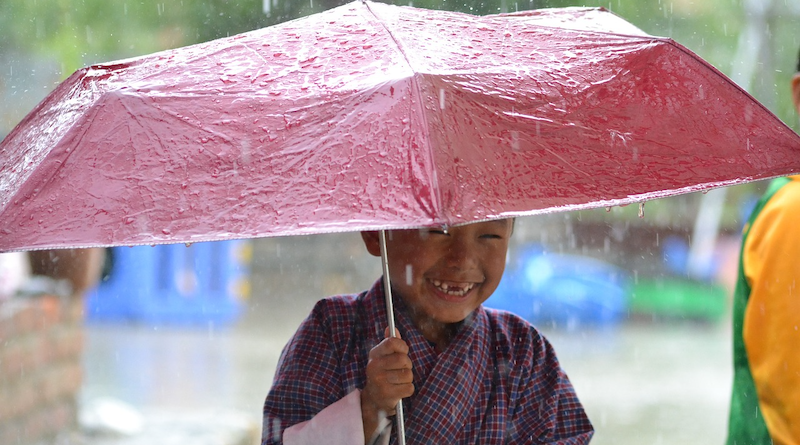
{"x":371,"y":116}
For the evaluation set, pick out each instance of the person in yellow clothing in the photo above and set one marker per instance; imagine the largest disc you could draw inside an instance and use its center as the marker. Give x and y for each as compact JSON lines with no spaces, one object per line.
{"x":765,"y":403}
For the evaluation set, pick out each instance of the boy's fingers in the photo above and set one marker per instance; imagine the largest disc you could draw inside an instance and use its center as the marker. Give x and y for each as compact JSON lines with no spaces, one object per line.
{"x":386,"y":333}
{"x":387,"y":395}
{"x":389,"y":346}
{"x":395,"y":362}
{"x":400,"y":376}
{"x":400,"y":363}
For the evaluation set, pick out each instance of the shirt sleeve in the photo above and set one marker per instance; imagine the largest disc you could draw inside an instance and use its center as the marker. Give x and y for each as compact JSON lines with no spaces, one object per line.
{"x":771,"y":258}
{"x":309,"y":401}
{"x":547,"y":410}
{"x":307,"y":381}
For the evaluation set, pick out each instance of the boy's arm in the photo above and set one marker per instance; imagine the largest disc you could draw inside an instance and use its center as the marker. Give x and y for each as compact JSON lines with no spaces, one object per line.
{"x":347,"y":421}
{"x":544,"y":408}
{"x":308,"y":400}
{"x":307,"y":379}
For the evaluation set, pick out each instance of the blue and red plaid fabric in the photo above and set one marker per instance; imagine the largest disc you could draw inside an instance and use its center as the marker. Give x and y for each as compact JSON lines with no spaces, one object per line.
{"x":498,"y":382}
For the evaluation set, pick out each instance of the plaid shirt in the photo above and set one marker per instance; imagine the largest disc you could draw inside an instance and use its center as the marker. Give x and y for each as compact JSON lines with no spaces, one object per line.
{"x":498,"y":382}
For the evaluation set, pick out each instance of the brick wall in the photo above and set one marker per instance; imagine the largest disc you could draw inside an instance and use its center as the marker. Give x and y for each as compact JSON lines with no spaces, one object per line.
{"x":41,"y":342}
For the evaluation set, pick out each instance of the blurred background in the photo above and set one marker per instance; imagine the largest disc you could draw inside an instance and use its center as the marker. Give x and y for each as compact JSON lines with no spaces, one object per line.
{"x":179,"y":344}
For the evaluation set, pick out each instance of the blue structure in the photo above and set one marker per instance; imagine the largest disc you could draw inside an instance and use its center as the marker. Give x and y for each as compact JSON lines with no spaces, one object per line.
{"x":174,"y":284}
{"x":563,"y":291}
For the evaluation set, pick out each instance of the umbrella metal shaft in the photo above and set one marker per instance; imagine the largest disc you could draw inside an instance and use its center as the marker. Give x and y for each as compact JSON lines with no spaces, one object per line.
{"x":401,"y":431}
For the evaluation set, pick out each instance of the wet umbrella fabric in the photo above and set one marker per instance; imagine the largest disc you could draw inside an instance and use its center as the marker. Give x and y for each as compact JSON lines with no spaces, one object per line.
{"x":371,"y":116}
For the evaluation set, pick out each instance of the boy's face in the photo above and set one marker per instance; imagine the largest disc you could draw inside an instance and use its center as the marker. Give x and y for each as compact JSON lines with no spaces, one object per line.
{"x":444,"y":276}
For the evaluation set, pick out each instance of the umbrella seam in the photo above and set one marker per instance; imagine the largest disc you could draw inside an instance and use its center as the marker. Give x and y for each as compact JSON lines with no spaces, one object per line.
{"x":436,"y":197}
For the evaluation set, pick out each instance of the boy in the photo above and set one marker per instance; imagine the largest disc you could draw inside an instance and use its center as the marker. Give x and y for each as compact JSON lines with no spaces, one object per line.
{"x":466,"y":374}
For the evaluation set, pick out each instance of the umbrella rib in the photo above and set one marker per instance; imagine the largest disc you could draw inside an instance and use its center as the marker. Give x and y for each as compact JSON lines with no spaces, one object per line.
{"x":436,"y":197}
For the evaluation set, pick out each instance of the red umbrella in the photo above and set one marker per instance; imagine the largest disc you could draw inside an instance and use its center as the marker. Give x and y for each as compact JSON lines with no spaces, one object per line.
{"x":371,"y":116}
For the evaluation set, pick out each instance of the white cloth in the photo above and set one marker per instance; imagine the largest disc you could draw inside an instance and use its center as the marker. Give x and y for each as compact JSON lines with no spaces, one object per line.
{"x":338,"y":424}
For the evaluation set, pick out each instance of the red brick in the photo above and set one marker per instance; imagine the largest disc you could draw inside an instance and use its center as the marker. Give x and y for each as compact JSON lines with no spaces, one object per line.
{"x":51,"y":310}
{"x":11,"y":355}
{"x":22,"y":398}
{"x":27,"y":318}
{"x":41,"y":342}
{"x":7,"y":330}
{"x":36,"y":353}
{"x":73,"y":310}
{"x":6,"y":409}
{"x":10,"y":433}
{"x":65,"y":342}
{"x":48,"y":421}
{"x":23,"y":356}
{"x":61,"y":380}
{"x":29,"y":394}
{"x":34,"y":426}
{"x":73,"y":379}
{"x":62,"y":416}
{"x":51,"y":384}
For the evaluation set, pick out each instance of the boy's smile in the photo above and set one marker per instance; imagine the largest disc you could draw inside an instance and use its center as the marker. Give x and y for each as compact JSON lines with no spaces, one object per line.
{"x":453,"y":291}
{"x":442,"y":276}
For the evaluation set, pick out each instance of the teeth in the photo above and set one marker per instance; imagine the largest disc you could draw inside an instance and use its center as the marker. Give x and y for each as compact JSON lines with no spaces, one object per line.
{"x":452,"y":289}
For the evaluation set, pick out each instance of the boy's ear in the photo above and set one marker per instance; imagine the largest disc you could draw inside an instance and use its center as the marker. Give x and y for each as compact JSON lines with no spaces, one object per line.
{"x":796,"y":92}
{"x":372,"y":242}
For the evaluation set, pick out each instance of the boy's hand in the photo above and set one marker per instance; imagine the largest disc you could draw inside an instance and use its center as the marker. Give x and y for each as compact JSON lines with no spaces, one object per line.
{"x":389,"y":379}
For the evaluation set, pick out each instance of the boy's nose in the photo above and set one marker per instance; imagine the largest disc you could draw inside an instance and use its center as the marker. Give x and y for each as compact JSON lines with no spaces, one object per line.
{"x":461,"y":254}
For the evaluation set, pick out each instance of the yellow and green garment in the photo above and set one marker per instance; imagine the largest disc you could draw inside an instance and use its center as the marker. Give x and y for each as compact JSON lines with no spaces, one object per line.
{"x":765,"y":404}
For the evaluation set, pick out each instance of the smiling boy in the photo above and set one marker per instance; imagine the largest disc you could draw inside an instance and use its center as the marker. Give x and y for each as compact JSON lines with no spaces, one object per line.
{"x":466,"y":374}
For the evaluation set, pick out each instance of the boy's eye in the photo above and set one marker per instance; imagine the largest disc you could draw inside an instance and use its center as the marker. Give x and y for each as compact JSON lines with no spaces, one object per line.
{"x":491,"y":236}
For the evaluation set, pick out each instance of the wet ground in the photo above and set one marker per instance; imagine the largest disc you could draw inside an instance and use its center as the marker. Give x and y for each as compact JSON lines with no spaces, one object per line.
{"x":641,"y":383}
{"x":652,"y":383}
